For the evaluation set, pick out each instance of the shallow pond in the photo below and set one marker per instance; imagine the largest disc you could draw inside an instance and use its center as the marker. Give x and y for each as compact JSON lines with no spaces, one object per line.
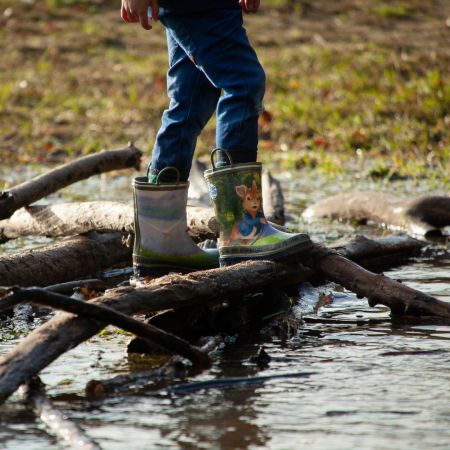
{"x":374,"y":384}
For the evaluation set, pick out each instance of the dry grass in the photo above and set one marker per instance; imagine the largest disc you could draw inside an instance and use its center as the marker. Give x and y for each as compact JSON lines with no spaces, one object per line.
{"x":369,"y":78}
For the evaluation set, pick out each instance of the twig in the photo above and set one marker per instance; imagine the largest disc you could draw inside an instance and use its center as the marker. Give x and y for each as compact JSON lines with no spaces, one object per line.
{"x":106,"y":315}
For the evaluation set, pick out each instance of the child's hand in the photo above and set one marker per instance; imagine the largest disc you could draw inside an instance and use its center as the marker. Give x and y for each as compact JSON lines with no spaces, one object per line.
{"x":137,"y":11}
{"x":249,"y":6}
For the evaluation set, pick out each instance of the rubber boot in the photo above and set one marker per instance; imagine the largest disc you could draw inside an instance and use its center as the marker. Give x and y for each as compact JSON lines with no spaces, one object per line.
{"x":162,"y":243}
{"x":245,"y":234}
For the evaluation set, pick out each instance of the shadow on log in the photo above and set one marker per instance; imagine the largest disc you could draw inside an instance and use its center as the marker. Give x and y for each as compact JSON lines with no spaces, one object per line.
{"x":49,"y":182}
{"x":419,"y":216}
{"x":63,"y":332}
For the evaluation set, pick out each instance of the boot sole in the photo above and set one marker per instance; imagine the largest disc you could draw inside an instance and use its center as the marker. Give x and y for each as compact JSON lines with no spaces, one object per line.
{"x":274,"y":253}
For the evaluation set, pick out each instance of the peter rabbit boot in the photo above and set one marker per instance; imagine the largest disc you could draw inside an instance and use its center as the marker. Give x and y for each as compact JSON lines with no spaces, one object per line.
{"x":235,"y":190}
{"x":162,"y":243}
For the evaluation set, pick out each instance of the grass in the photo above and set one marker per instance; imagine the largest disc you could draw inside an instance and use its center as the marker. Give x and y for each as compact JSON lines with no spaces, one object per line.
{"x":347,"y":81}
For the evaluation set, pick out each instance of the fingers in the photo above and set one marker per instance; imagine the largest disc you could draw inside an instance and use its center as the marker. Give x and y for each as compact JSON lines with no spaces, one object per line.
{"x":143,"y":18}
{"x":137,"y":11}
{"x":249,"y":6}
{"x":154,"y":5}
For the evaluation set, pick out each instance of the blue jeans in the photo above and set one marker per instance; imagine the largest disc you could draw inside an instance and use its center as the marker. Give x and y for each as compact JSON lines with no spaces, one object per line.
{"x":209,"y":54}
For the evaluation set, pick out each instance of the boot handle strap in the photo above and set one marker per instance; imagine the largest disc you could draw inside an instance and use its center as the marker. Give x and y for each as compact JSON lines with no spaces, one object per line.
{"x":167,"y":169}
{"x":227,"y":153}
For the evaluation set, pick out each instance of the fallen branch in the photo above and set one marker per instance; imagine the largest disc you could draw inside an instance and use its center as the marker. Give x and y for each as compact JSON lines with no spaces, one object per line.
{"x":59,"y":334}
{"x":106,"y":316}
{"x":73,"y":258}
{"x":56,"y":421}
{"x":68,"y":219}
{"x":418,"y":216}
{"x":47,"y":183}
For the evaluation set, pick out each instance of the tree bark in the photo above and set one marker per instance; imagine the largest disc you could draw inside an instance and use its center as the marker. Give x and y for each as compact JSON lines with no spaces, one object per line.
{"x":63,"y":332}
{"x":69,"y":259}
{"x":47,"y":183}
{"x":418,"y":216}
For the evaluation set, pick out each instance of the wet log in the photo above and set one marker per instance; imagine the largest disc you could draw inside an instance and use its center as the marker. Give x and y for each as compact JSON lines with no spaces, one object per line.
{"x":62,"y":176}
{"x":69,"y":219}
{"x":69,"y":259}
{"x":105,"y":315}
{"x":63,"y":332}
{"x":418,"y":216}
{"x":379,"y":254}
{"x":58,"y":424}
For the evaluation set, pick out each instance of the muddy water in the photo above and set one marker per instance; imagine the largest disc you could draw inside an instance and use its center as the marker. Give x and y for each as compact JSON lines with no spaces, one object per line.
{"x":374,"y":383}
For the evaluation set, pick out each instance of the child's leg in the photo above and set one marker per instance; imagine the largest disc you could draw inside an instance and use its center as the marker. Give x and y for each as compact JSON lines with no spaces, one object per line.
{"x":193,"y":100}
{"x":218,"y":44}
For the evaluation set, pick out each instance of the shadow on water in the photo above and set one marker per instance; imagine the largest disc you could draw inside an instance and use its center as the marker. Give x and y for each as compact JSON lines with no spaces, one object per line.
{"x":379,"y":382}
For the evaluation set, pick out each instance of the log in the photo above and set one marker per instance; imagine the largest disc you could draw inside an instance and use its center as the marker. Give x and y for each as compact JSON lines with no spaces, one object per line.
{"x":419,"y":215}
{"x":68,"y":219}
{"x":58,"y":424}
{"x":28,"y":192}
{"x":69,"y":259}
{"x":63,"y":332}
{"x":381,"y":253}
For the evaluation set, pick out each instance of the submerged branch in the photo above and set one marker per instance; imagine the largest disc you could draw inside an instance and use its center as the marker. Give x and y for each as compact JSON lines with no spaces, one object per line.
{"x":55,"y":420}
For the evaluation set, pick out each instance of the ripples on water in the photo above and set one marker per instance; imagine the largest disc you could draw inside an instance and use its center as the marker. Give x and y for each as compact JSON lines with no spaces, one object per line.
{"x":378,"y":383}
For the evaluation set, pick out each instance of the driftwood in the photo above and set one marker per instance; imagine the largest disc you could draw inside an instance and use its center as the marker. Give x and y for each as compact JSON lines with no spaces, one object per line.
{"x":68,"y":219}
{"x":46,"y":343}
{"x":43,"y":185}
{"x":106,"y":316}
{"x":419,"y":216}
{"x":69,"y":259}
{"x":55,"y":420}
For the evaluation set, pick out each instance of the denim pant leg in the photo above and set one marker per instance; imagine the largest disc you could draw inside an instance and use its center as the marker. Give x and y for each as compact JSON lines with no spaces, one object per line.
{"x":193,"y":100}
{"x":218,"y":43}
